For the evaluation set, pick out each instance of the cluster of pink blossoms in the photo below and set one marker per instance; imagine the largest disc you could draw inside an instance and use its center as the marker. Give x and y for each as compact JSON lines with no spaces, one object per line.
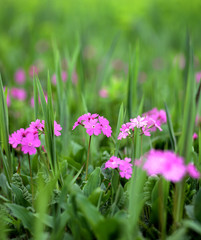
{"x":149,"y":121}
{"x":124,"y":166}
{"x":29,"y":138}
{"x":157,"y":162}
{"x":94,"y":124}
{"x":167,"y":164}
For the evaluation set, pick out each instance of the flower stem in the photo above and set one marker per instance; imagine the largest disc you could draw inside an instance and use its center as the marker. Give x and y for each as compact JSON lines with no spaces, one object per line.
{"x":31,"y":177}
{"x":88,"y":157}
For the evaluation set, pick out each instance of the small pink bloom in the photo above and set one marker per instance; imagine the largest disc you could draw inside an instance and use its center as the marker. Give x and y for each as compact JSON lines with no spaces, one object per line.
{"x":138,"y":122}
{"x":20,"y":76}
{"x":198,"y":77}
{"x":57,"y":129}
{"x":37,"y":125}
{"x":195,"y":136}
{"x":30,"y":143}
{"x":124,"y":131}
{"x":113,"y":162}
{"x":192,"y":171}
{"x":93,"y":127}
{"x":103,"y":93}
{"x":18,"y":93}
{"x":105,"y":127}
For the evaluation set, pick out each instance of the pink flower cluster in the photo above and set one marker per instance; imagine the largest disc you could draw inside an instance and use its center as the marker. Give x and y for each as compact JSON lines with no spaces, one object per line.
{"x":169,"y":165}
{"x":94,"y":124}
{"x":149,"y":121}
{"x":29,"y":138}
{"x":124,"y":166}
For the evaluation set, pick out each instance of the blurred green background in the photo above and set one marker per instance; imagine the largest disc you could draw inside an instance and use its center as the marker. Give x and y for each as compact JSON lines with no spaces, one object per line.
{"x":105,"y":31}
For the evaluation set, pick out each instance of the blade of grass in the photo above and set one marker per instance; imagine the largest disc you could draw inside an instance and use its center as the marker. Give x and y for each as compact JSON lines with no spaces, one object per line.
{"x":132,"y":80}
{"x":4,"y":131}
{"x":185,"y":142}
{"x":170,"y":129}
{"x":119,"y":123}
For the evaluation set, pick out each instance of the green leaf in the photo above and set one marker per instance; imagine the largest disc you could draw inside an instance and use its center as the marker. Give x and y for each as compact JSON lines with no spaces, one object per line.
{"x":93,"y":182}
{"x":119,"y":123}
{"x":110,"y":228}
{"x":4,"y":132}
{"x":170,"y":129}
{"x":195,"y":226}
{"x":90,"y":212}
{"x":197,"y":206}
{"x":23,"y":214}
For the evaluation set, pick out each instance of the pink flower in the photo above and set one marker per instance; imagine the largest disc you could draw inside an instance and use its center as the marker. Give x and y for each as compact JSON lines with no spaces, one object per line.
{"x":57,"y":129}
{"x":105,"y":127}
{"x":20,"y":76}
{"x":192,"y":171}
{"x":125,"y":171}
{"x":124,"y":131}
{"x":30,"y":143}
{"x":198,"y":77}
{"x":33,"y":70}
{"x":103,"y":93}
{"x":195,"y":136}
{"x":138,"y":122}
{"x":18,"y":93}
{"x":94,"y":124}
{"x":165,"y":163}
{"x":37,"y":125}
{"x":15,"y":139}
{"x":93,"y":127}
{"x":113,"y":162}
{"x":124,"y":166}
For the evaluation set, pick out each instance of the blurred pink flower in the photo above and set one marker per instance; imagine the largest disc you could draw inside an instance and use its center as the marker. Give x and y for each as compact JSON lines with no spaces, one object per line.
{"x":20,"y":76}
{"x":57,"y":129}
{"x":195,"y":136}
{"x":32,"y":100}
{"x":33,"y":70}
{"x":192,"y":171}
{"x":165,"y":163}
{"x":103,"y":93}
{"x":18,"y":93}
{"x":198,"y":77}
{"x":64,"y":77}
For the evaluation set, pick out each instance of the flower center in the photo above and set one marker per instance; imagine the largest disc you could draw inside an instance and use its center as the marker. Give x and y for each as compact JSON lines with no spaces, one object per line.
{"x":29,"y":144}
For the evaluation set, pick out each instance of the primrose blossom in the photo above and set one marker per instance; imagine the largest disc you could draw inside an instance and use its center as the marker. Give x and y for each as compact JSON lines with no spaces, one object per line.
{"x":94,"y":124}
{"x":20,"y":76}
{"x":169,"y":165}
{"x":18,"y":93}
{"x":28,"y":138}
{"x":124,"y":166}
{"x":149,"y":122}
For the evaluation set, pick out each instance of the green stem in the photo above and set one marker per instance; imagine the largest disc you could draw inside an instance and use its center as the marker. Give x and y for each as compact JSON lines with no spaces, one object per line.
{"x":178,"y":203}
{"x":32,"y":190}
{"x":88,"y":158}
